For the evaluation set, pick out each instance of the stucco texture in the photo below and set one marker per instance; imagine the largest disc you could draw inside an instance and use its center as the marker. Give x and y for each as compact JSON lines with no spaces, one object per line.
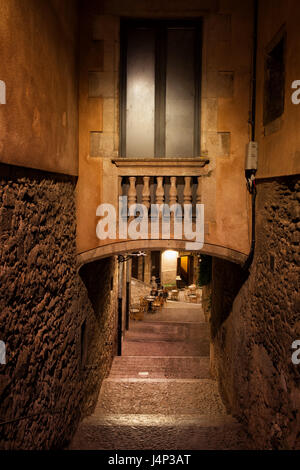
{"x":38,"y":123}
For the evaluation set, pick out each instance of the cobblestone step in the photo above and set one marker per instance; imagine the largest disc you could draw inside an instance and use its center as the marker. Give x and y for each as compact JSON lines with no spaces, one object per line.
{"x":159,"y":396}
{"x":138,"y":432}
{"x":182,"y":330}
{"x":166,"y":348}
{"x":166,"y":339}
{"x":177,"y":313}
{"x":160,"y":367}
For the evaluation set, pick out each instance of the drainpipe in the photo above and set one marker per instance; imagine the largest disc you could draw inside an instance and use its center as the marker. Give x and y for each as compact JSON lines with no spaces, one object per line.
{"x":128,"y":276}
{"x":120,"y":319}
{"x":250,"y":170}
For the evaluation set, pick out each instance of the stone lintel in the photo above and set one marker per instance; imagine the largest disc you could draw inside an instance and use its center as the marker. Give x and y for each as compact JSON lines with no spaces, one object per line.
{"x":160,"y":166}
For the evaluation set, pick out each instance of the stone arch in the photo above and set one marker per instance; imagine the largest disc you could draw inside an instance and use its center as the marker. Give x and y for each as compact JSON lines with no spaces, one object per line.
{"x":121,"y":247}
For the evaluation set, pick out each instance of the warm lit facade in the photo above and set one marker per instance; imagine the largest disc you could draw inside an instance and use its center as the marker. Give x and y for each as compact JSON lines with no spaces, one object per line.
{"x":66,"y":148}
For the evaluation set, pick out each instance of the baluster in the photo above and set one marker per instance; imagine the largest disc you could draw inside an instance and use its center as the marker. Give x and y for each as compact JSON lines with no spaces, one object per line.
{"x":132,"y":191}
{"x":172,"y":200}
{"x":173,"y":191}
{"x":120,"y":181}
{"x":122,"y":211}
{"x":146,"y":192}
{"x":199,"y":190}
{"x":160,"y":192}
{"x":187,"y":192}
{"x":120,"y":184}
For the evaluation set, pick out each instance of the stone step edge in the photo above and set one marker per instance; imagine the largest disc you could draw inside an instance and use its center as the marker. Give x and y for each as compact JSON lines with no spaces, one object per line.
{"x":164,"y":341}
{"x":118,"y":358}
{"x":128,"y":420}
{"x":170,"y":322}
{"x":154,"y":380}
{"x":147,"y":370}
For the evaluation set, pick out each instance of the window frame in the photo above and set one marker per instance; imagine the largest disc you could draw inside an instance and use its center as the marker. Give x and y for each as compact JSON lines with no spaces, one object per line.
{"x":161,"y":26}
{"x":268,"y":117}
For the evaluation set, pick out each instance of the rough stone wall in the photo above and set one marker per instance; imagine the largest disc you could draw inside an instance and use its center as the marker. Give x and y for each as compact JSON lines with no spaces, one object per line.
{"x":206,"y":301}
{"x":138,"y":289}
{"x":49,"y":376}
{"x":253,"y":329}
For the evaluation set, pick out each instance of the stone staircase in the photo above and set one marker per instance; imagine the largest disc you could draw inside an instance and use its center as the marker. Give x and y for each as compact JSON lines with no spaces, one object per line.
{"x":159,"y":395}
{"x":167,"y":339}
{"x":156,"y":367}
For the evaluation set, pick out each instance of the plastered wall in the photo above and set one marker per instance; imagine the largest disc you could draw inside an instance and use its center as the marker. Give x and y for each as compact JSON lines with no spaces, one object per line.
{"x":38,"y":57}
{"x":225,"y":104}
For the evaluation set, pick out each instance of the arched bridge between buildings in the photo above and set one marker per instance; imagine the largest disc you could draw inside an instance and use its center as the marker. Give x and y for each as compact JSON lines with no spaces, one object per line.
{"x":122,"y":247}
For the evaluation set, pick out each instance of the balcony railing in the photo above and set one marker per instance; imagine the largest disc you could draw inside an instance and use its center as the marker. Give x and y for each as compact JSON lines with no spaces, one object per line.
{"x":159,"y":181}
{"x":156,"y":181}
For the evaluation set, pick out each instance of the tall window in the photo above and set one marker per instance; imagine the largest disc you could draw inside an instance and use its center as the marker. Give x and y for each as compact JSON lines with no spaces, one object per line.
{"x":160,"y":88}
{"x":274,"y":86}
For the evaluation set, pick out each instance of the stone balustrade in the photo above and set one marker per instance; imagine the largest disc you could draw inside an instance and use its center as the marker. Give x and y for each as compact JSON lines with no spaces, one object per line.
{"x":161,"y":181}
{"x":169,"y":190}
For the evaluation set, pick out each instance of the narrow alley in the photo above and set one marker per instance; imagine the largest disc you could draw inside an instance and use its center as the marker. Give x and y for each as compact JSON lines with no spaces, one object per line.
{"x":149,"y":225}
{"x":159,"y":393}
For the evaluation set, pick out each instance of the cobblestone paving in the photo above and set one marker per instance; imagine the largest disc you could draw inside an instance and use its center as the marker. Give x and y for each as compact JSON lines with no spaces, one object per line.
{"x":159,"y":394}
{"x":187,"y":367}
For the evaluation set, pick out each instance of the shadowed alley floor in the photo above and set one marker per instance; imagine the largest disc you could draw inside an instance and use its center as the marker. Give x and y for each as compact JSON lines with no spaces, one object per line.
{"x":159,"y":394}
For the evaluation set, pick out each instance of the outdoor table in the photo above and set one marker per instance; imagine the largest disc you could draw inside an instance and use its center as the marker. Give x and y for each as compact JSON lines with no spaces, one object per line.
{"x":150,"y":299}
